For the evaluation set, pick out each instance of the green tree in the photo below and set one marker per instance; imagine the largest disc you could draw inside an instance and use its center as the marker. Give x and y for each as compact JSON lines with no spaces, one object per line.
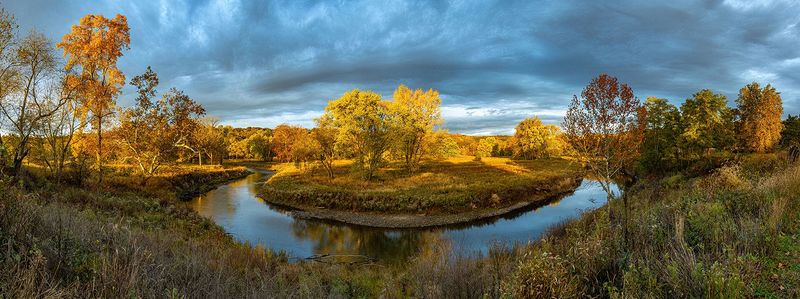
{"x":660,"y":147}
{"x":361,"y":118}
{"x":760,"y":115}
{"x":414,"y":115}
{"x":707,"y":123}
{"x":258,"y":146}
{"x":791,"y":131}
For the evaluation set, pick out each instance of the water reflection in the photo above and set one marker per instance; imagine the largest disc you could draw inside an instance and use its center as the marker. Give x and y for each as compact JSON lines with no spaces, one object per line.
{"x":236,"y":208}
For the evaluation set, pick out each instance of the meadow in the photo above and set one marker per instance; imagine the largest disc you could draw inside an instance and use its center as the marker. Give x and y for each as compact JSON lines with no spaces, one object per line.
{"x":453,"y":185}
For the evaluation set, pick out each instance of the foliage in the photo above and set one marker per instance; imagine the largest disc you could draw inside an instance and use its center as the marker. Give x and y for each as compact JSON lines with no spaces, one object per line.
{"x":791,"y":131}
{"x":442,"y":146}
{"x":660,"y":148}
{"x":290,"y":144}
{"x":485,"y":147}
{"x":31,"y":92}
{"x":605,"y":126}
{"x":534,"y":140}
{"x":325,"y":136}
{"x":361,"y":119}
{"x":414,"y":114}
{"x":760,"y":114}
{"x":92,"y":49}
{"x":209,"y":139}
{"x":153,"y":131}
{"x":258,"y":144}
{"x":707,"y":123}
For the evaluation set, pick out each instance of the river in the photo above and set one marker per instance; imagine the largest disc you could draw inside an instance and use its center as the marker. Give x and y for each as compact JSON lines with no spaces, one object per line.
{"x":248,"y":218}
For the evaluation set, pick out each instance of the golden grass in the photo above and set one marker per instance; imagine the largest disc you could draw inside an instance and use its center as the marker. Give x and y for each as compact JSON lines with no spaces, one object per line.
{"x":458,"y":183}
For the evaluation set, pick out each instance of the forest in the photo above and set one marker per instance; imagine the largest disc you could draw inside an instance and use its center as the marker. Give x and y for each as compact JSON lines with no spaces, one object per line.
{"x":94,"y":194}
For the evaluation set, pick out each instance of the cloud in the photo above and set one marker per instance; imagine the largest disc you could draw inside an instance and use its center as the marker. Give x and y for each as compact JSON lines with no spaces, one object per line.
{"x":257,"y":63}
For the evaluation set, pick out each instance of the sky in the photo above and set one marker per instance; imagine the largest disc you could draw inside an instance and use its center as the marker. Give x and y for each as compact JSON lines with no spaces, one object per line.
{"x":263,"y":63}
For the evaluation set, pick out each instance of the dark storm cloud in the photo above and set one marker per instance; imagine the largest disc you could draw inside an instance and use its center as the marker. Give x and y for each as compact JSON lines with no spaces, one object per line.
{"x":495,"y":62}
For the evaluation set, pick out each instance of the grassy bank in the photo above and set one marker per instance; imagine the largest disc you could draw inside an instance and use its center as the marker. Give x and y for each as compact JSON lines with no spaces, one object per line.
{"x":455,"y":185}
{"x":733,"y":233}
{"x":70,"y":242}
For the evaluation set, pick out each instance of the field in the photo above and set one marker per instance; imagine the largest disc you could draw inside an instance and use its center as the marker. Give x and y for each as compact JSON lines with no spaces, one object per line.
{"x":454,"y":185}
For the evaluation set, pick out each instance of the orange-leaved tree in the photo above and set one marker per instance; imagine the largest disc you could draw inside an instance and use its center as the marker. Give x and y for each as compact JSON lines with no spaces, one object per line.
{"x":760,"y":110}
{"x":92,"y":49}
{"x":606,"y":126}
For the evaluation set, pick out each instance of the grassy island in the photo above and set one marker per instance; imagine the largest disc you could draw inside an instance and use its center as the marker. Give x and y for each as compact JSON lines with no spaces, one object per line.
{"x":454,"y":185}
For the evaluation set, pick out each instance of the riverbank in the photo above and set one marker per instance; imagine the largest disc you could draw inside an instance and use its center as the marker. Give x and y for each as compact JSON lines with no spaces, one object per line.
{"x":382,"y":220}
{"x":441,"y":193}
{"x":734,"y":233}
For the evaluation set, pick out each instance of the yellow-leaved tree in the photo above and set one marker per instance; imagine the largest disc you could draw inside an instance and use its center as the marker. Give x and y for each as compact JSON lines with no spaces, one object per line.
{"x":360,"y":118}
{"x":760,"y":111}
{"x":533,"y":140}
{"x":414,"y":115}
{"x":92,"y":49}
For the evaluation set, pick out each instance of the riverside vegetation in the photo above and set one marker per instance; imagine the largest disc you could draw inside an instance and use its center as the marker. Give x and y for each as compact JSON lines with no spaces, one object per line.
{"x":92,"y":194}
{"x":454,"y":185}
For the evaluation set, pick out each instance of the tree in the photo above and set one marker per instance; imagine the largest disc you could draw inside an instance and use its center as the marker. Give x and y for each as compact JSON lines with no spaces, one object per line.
{"x":606,"y":126}
{"x":660,"y":147}
{"x":531,"y":139}
{"x":145,"y":129}
{"x":258,"y":145}
{"x":152,"y":132}
{"x":442,"y":146}
{"x":414,"y":116}
{"x":485,"y":147}
{"x":210,"y":140}
{"x":93,"y":48}
{"x":58,"y":131}
{"x":283,"y":141}
{"x":361,"y":119}
{"x":760,"y":114}
{"x":791,"y":131}
{"x":707,"y":123}
{"x":183,"y":114}
{"x":325,"y":136}
{"x":34,"y":98}
{"x":7,"y":72}
{"x":237,"y":148}
{"x":304,"y":148}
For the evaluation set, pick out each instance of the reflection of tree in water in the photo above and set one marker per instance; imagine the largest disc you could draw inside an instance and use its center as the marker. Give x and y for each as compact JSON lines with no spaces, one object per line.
{"x":384,"y":245}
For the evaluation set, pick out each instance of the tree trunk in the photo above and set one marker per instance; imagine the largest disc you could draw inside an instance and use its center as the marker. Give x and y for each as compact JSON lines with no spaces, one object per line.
{"x":100,"y":148}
